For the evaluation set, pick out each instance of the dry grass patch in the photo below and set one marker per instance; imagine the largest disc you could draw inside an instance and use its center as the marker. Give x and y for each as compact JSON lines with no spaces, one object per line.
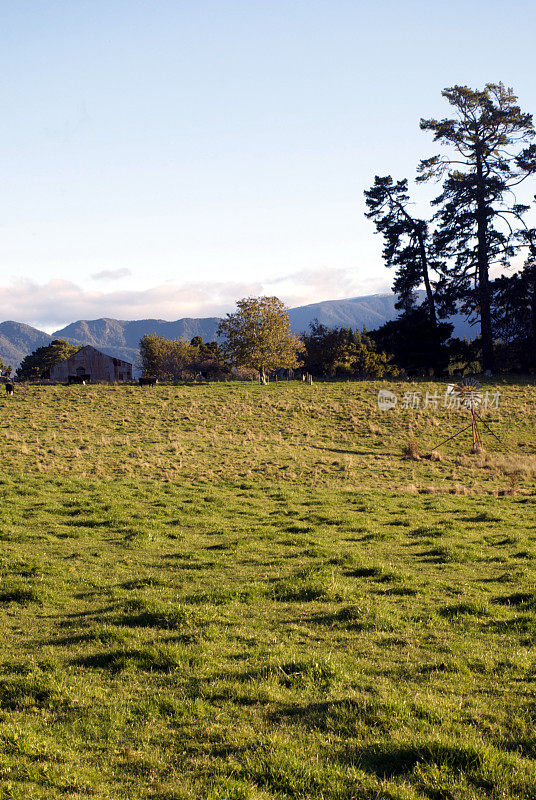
{"x":412,"y":451}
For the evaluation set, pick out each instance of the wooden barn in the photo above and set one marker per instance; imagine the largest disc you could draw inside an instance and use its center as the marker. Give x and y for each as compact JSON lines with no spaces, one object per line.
{"x":89,"y":364}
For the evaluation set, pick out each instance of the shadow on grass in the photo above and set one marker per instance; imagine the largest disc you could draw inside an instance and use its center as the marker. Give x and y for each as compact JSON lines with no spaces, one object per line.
{"x":138,"y":613}
{"x":67,"y":641}
{"x":520,"y":624}
{"x":217,"y":597}
{"x":319,"y":672}
{"x":483,"y":516}
{"x":429,"y":531}
{"x":141,"y":583}
{"x":186,"y":562}
{"x":523,"y":600}
{"x":346,"y":451}
{"x":391,"y":760}
{"x":446,"y":555}
{"x":105,"y":634}
{"x":162,"y":658}
{"x":304,"y":586}
{"x":401,"y":591}
{"x":28,"y":691}
{"x":356,"y":618}
{"x":67,"y":620}
{"x":23,"y":595}
{"x":88,"y":523}
{"x":340,"y":717}
{"x":378,"y":573}
{"x":467,"y":609}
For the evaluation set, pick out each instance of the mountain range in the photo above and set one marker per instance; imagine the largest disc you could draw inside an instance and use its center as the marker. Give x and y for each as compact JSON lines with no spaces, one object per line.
{"x":120,"y":338}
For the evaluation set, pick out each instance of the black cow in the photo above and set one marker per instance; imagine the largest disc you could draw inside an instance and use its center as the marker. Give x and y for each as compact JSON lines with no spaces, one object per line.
{"x":148,"y":381}
{"x":9,"y":388}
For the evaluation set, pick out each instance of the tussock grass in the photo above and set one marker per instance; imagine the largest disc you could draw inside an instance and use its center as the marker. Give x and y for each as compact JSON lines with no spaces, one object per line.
{"x":336,"y":436}
{"x":412,"y":451}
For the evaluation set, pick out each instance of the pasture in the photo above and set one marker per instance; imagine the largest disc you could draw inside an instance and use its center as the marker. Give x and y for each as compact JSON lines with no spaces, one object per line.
{"x":244,"y":592}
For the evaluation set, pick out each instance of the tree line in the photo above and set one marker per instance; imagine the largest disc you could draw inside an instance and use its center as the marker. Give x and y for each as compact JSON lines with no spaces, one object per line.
{"x":256,"y":340}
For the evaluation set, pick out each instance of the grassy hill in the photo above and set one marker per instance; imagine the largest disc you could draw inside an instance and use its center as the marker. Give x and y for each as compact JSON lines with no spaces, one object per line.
{"x":246,"y":592}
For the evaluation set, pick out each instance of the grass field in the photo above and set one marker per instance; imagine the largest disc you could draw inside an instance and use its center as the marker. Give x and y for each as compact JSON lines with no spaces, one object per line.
{"x":233,"y":591}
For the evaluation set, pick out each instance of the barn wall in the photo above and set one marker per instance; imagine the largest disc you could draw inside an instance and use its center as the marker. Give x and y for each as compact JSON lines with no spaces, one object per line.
{"x":97,"y":365}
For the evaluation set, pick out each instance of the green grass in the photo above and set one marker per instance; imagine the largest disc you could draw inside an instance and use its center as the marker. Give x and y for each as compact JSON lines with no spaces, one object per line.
{"x":233,"y":592}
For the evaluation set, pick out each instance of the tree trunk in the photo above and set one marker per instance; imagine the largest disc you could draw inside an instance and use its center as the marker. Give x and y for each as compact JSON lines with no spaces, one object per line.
{"x":483,"y":274}
{"x":532,"y":333}
{"x":424,"y":264}
{"x":429,"y":293}
{"x":424,"y":267}
{"x":262,"y":377}
{"x":437,"y":370}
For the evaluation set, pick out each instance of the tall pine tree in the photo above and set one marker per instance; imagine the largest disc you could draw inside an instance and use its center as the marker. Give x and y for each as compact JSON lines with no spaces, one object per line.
{"x":406,"y":241}
{"x":489,"y":151}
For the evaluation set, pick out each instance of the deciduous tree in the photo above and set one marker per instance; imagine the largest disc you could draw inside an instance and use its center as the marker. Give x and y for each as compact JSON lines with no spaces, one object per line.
{"x":258,"y":336}
{"x":172,"y":359}
{"x":5,"y":370}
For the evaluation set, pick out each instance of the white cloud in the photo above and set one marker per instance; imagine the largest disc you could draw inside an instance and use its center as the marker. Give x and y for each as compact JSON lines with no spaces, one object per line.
{"x":315,"y":285}
{"x":111,"y":274}
{"x":53,"y":304}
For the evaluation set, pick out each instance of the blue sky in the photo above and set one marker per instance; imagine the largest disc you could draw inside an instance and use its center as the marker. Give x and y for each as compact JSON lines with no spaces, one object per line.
{"x":162,"y":159}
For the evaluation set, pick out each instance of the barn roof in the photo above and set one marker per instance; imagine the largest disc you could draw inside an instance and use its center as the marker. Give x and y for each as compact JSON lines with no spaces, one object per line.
{"x":88,"y":348}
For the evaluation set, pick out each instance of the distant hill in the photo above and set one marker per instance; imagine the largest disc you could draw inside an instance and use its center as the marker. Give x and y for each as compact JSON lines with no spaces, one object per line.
{"x":120,"y":338}
{"x":18,"y":339}
{"x":367,"y":312}
{"x":357,"y":312}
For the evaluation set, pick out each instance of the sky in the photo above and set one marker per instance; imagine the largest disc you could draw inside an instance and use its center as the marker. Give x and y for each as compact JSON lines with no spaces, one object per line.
{"x":164,"y":158}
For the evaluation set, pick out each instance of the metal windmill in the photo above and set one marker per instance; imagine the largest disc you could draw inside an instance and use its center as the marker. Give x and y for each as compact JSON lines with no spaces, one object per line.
{"x":468,"y":394}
